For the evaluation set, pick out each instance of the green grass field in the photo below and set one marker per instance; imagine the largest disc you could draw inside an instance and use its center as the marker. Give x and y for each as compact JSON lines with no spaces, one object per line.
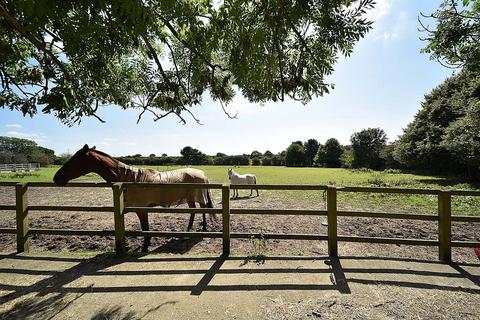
{"x":286,"y":175}
{"x":330,"y":176}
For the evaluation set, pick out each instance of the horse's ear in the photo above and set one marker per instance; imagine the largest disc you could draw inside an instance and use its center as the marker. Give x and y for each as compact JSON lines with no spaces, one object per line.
{"x":85,"y":148}
{"x":94,"y":148}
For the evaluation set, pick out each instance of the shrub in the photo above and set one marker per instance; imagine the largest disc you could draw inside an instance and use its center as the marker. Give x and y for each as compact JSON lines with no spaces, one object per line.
{"x":377,"y":181}
{"x":267,"y":161}
{"x":295,"y":156}
{"x":256,"y":161}
{"x":346,"y":159}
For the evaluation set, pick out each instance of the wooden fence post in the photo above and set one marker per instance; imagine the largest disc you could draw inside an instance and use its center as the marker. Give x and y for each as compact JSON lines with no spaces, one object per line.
{"x":332,"y":221}
{"x":226,"y":219}
{"x":21,"y":199}
{"x":119,"y":218}
{"x":445,"y":226}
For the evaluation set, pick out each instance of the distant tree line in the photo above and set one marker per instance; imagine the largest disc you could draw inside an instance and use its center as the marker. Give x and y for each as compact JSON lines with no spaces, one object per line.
{"x":16,"y":150}
{"x":368,"y":149}
{"x":192,"y":156}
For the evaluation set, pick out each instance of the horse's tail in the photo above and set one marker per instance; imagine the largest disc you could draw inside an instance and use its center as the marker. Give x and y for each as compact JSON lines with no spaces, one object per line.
{"x":254,"y":179}
{"x":209,"y":204}
{"x":209,"y":199}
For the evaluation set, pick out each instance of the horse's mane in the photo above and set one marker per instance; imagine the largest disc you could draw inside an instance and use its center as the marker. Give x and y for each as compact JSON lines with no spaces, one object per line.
{"x":103,"y":153}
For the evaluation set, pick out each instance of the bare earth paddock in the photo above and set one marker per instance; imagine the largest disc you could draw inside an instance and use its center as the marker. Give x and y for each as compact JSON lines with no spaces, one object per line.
{"x":296,"y":280}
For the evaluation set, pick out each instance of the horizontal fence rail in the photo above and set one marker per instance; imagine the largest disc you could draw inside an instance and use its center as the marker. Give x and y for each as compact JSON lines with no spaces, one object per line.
{"x":284,"y":212}
{"x":387,"y":215}
{"x":70,"y":208}
{"x":19,"y":167}
{"x":279,"y":186}
{"x":389,"y":190}
{"x":172,"y":210}
{"x":444,"y":216}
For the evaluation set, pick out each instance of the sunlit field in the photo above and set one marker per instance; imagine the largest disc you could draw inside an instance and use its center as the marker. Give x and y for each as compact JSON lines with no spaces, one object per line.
{"x":285,"y":175}
{"x":324,"y":176}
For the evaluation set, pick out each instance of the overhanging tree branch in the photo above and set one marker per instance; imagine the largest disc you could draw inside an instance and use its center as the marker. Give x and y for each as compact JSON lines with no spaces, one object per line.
{"x":177,"y":36}
{"x":17,"y":26}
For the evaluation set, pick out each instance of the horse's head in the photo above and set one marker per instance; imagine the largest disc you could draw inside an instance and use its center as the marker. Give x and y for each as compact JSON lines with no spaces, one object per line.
{"x":230,"y":172}
{"x":78,"y":165}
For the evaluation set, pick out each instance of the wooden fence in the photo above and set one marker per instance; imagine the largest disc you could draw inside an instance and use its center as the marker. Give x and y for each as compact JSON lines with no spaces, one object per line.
{"x":444,"y":216}
{"x":19,"y":167}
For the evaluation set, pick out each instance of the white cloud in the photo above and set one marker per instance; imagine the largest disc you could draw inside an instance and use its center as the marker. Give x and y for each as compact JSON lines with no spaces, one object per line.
{"x":381,"y":9}
{"x":30,"y":136}
{"x":398,"y":28}
{"x":101,"y":143}
{"x":13,"y":125}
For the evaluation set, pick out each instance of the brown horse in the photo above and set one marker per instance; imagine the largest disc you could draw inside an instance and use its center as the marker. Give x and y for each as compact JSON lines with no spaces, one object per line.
{"x":88,"y":160}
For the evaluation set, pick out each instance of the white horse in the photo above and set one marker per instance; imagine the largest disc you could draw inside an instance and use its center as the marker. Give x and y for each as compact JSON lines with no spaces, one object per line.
{"x":236,"y":178}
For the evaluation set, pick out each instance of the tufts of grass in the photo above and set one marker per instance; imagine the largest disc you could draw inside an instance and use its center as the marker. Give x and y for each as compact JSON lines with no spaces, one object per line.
{"x":392,"y":171}
{"x":259,"y":247}
{"x":378,"y":181}
{"x":19,"y":175}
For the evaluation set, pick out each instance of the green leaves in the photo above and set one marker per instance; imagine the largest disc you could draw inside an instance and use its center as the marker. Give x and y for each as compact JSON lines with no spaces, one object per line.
{"x":367,"y":145}
{"x":70,"y":58}
{"x":445,"y":133}
{"x":456,"y":40}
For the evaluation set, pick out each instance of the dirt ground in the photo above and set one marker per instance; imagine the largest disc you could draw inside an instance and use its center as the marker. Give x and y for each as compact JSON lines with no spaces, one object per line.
{"x":161,"y":286}
{"x":186,"y":279}
{"x":239,"y":223}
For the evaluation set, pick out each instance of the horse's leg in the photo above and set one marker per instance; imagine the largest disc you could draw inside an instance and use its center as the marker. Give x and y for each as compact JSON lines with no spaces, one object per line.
{"x":251,"y":192}
{"x":204,"y":223}
{"x":143,"y":217}
{"x":192,"y":216}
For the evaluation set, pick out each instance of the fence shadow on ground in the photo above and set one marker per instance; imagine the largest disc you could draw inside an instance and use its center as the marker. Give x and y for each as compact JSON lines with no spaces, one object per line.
{"x":177,"y":245}
{"x":56,"y":290}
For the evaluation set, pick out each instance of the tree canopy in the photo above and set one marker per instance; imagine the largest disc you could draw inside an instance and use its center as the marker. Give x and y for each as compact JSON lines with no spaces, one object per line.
{"x":445,"y":134}
{"x":193,"y":156}
{"x":455,"y":41}
{"x":311,"y":148}
{"x":329,"y":154}
{"x":71,"y":58}
{"x":16,"y":150}
{"x":295,"y":155}
{"x":366,"y":146}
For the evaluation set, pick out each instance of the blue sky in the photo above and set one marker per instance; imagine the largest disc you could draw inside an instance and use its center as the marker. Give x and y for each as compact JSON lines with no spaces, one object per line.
{"x":380,"y":85}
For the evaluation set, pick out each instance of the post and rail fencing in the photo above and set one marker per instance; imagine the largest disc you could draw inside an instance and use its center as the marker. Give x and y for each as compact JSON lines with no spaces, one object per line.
{"x":19,"y":167}
{"x":444,"y":216}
